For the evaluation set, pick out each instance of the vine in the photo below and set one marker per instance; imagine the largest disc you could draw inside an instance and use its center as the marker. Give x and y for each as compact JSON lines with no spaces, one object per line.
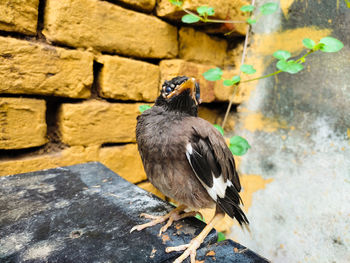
{"x":238,"y":145}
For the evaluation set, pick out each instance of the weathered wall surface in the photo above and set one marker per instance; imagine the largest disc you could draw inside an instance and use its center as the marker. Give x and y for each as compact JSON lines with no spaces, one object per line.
{"x":299,"y":129}
{"x":73,"y":73}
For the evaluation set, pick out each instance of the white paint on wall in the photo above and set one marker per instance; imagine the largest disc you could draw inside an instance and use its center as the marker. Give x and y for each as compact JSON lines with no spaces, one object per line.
{"x":304,"y":214}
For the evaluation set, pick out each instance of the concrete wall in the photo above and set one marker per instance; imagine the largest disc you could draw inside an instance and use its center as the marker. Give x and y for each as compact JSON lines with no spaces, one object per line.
{"x":299,"y":130}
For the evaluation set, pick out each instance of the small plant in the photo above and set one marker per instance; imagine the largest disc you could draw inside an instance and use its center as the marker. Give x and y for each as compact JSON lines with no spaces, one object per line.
{"x":221,"y":237}
{"x":284,"y":63}
{"x":144,"y":107}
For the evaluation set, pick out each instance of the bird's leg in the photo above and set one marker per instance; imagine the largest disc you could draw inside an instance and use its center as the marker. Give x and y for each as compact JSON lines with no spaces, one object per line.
{"x":191,"y":248}
{"x":172,"y":216}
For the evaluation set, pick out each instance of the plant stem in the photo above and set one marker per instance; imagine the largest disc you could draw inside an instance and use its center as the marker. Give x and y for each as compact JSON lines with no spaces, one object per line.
{"x":279,"y":71}
{"x":262,"y":77}
{"x":224,"y":21}
{"x":308,"y":53}
{"x":242,"y":62}
{"x":249,"y":80}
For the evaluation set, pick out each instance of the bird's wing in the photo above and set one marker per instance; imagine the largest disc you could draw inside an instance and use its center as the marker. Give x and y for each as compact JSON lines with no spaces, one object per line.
{"x":213,"y":164}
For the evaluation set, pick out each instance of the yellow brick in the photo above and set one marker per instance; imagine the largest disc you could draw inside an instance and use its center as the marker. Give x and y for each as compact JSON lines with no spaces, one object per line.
{"x":216,"y":116}
{"x":98,"y":122}
{"x":234,"y":13}
{"x":170,"y":11}
{"x":125,"y":161}
{"x":210,"y":115}
{"x":108,"y":27}
{"x":142,"y":5}
{"x":19,"y":16}
{"x":234,"y":56}
{"x":22,"y":123}
{"x":225,"y":10}
{"x":200,"y":47}
{"x":150,"y":188}
{"x":128,"y":79}
{"x":32,"y":68}
{"x":69,"y":156}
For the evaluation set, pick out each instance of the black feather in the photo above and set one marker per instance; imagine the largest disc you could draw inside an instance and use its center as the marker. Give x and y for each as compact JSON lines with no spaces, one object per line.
{"x":204,"y":163}
{"x":201,"y":168}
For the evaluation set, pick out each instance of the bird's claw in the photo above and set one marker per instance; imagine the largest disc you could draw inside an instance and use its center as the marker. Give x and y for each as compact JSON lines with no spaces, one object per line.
{"x":190,"y":250}
{"x":148,"y":216}
{"x":172,"y":216}
{"x":136,"y":228}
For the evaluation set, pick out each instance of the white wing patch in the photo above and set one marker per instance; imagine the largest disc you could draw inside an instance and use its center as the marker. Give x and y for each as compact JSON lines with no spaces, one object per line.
{"x":189,"y":149}
{"x":219,"y":185}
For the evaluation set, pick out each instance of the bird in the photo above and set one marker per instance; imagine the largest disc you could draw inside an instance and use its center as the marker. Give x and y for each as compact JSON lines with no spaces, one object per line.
{"x":187,"y":159}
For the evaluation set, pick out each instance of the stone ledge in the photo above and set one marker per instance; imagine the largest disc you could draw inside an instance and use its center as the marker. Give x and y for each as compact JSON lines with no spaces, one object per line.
{"x":89,"y":202}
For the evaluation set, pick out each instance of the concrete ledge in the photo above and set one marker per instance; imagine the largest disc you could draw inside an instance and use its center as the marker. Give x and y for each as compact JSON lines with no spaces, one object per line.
{"x":84,"y":213}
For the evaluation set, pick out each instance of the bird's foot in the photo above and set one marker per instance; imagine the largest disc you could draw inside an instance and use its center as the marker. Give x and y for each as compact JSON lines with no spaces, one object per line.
{"x":190,"y":250}
{"x":172,"y":216}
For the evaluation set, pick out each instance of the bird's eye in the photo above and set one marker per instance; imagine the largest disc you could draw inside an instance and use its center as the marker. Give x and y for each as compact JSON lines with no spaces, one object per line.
{"x":168,"y":89}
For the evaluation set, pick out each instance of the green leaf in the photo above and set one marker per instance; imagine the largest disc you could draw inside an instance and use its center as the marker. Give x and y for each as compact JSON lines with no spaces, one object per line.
{"x":227,"y":82}
{"x":198,"y":216}
{"x":144,"y":107}
{"x":251,"y":21}
{"x":317,"y":47}
{"x":236,"y":79}
{"x":268,"y":8}
{"x":290,"y":66}
{"x":248,"y":69}
{"x":176,"y":2}
{"x":213,"y":74}
{"x":189,"y":19}
{"x":205,"y":10}
{"x":247,"y":8}
{"x":219,"y":128}
{"x":233,"y":81}
{"x":331,"y":44}
{"x":282,"y":54}
{"x":309,"y":43}
{"x":238,"y":145}
{"x":221,"y":236}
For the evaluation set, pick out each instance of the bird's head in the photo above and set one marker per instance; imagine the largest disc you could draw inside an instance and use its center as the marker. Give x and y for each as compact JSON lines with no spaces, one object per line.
{"x":181,"y":94}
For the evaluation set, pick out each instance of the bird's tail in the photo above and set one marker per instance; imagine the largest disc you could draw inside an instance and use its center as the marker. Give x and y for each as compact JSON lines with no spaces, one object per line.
{"x":231,"y":205}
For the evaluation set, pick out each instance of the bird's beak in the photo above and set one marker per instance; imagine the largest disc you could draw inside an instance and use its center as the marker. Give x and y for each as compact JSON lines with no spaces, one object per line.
{"x":189,"y":84}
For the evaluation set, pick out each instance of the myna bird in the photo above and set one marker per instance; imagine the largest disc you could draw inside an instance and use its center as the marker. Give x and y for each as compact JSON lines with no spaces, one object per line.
{"x":187,"y":159}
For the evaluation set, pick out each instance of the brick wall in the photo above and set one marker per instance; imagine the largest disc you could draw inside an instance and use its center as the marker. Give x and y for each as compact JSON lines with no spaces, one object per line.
{"x":73,"y":73}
